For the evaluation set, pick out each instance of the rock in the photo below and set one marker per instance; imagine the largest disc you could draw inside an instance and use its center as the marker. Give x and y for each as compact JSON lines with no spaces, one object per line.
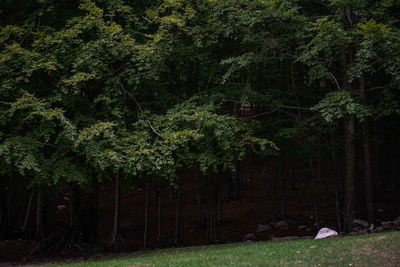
{"x":61,"y":207}
{"x":396,"y":222}
{"x":371,"y":228}
{"x":263,"y":228}
{"x":280,"y":224}
{"x":380,"y":210}
{"x":308,"y":229}
{"x":379,"y":229}
{"x":301,"y":227}
{"x":386,"y":225}
{"x":249,"y":237}
{"x":359,"y":230}
{"x":361,"y":223}
{"x":325,"y":233}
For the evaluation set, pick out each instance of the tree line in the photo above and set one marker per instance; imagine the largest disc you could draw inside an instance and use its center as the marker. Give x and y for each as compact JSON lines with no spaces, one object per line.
{"x":138,"y":91}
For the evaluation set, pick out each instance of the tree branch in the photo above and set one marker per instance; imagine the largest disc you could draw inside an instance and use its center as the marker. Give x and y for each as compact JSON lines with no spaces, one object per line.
{"x":259,"y":114}
{"x":337,"y":83}
{"x":139,"y":108}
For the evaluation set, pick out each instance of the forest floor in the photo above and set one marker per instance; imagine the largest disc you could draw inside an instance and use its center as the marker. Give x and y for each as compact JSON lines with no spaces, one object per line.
{"x":380,"y":249}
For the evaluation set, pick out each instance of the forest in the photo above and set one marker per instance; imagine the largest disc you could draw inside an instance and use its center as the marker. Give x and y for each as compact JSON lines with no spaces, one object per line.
{"x":117,"y":111}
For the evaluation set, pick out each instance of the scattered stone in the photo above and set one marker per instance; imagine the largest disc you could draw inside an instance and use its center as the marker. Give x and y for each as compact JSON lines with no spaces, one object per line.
{"x":301,"y":227}
{"x":361,"y":223}
{"x":396,"y":222}
{"x":386,"y":225}
{"x":249,"y":237}
{"x":280,"y":224}
{"x":359,"y":230}
{"x":61,"y":207}
{"x":263,"y":228}
{"x":371,"y":228}
{"x":325,"y":233}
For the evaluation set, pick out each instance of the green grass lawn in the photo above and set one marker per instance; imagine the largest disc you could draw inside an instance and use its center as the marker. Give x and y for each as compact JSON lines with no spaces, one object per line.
{"x":381,"y":249}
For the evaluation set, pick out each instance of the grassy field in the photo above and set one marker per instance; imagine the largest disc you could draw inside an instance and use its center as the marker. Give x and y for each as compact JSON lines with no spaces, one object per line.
{"x":381,"y":249}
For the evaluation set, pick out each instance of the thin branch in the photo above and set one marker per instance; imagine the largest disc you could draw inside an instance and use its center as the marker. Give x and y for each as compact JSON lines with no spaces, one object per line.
{"x":375,"y":88}
{"x":139,"y":107}
{"x":259,"y":114}
{"x":292,"y":107}
{"x":337,"y":83}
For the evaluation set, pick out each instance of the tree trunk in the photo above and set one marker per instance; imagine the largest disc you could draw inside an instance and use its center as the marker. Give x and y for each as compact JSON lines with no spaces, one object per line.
{"x":146,"y":214}
{"x":221,"y":188}
{"x":198,"y":196}
{"x":236,"y":178}
{"x":89,"y":216}
{"x":282,"y":190}
{"x":178,"y":211}
{"x":337,"y":186}
{"x":28,"y":212}
{"x":367,"y":160}
{"x":275,"y":199}
{"x":116,"y":211}
{"x":159,"y":210}
{"x":39,"y":233}
{"x":3,"y":214}
{"x":294,"y":175}
{"x":75,"y":216}
{"x":212,"y":214}
{"x":349,"y":148}
{"x":314,"y":194}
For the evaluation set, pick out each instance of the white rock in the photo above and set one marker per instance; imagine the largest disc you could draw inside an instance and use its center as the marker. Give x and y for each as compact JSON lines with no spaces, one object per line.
{"x":325,"y":233}
{"x":263,"y":228}
{"x":361,"y":223}
{"x":302,"y":227}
